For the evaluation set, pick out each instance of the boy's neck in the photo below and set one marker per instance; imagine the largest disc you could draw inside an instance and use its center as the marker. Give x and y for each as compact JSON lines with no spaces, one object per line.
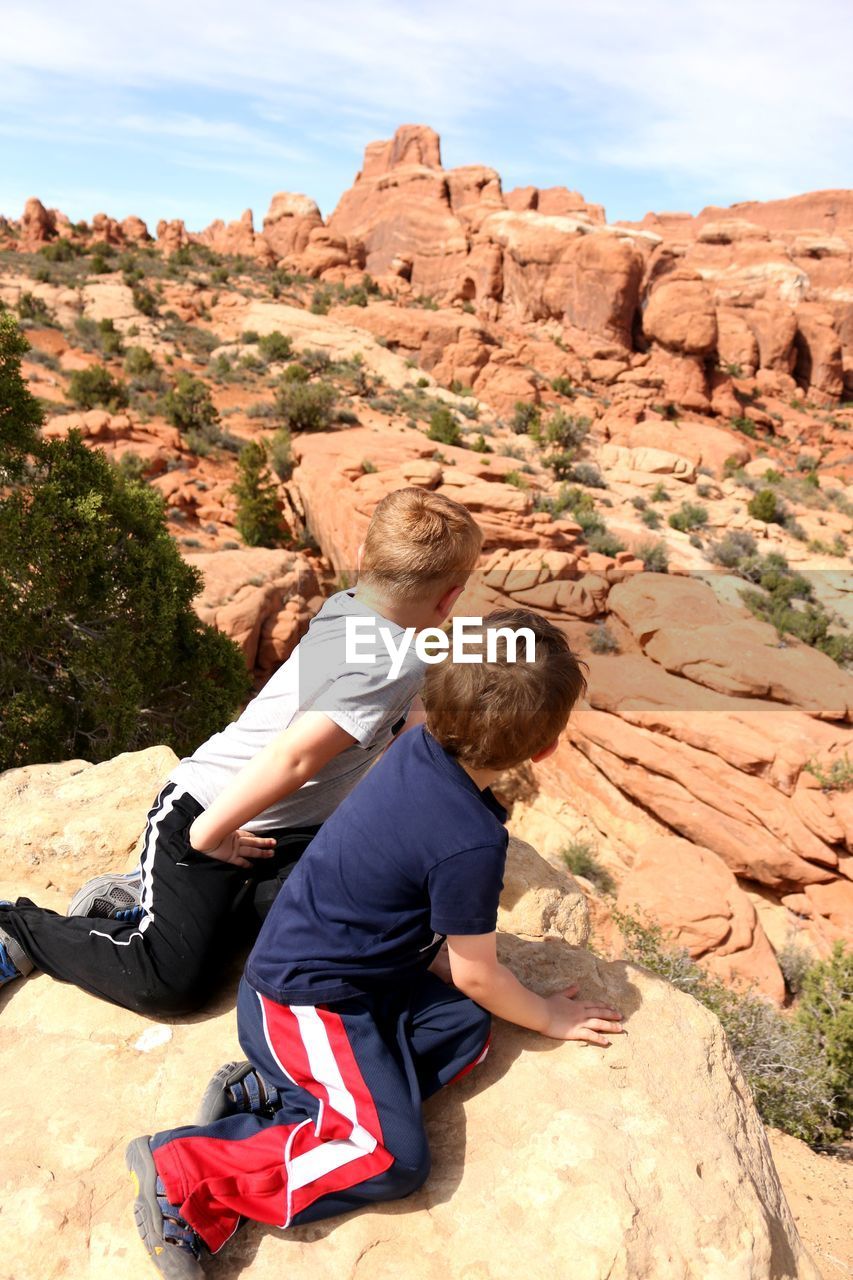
{"x":481,"y":778}
{"x":404,"y":615}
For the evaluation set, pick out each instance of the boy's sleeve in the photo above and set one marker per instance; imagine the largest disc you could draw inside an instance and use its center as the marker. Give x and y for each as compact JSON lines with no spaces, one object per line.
{"x":465,"y":889}
{"x":363,"y":702}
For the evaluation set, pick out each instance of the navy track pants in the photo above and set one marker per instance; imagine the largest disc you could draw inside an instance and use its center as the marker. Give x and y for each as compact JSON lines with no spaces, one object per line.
{"x":350,"y":1130}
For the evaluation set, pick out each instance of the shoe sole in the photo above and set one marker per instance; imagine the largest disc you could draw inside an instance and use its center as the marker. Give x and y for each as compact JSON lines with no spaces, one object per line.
{"x":171,"y":1262}
{"x":214,"y":1105}
{"x":84,"y":899}
{"x":17,"y":955}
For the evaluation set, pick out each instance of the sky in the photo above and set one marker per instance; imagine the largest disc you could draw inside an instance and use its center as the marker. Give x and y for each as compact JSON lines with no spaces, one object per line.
{"x":177,"y":108}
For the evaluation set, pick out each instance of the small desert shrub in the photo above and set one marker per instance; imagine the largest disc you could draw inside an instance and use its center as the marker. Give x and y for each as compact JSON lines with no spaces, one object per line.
{"x":138,"y":362}
{"x":581,"y":858}
{"x":306,"y":406}
{"x":63,"y":250}
{"x":296,"y":373}
{"x":480,"y":445}
{"x":516,"y":479}
{"x":443,"y":427}
{"x":144,"y":300}
{"x":563,"y":386}
{"x":587,"y":473}
{"x":281,"y":454}
{"x":654,"y":555}
{"x":825,"y":1015}
{"x":764,"y":505}
{"x":96,"y":387}
{"x":258,"y":510}
{"x":838,"y":777}
{"x":746,"y":427}
{"x":34,"y":309}
{"x":275,"y":346}
{"x":604,"y":542}
{"x":651,"y":519}
{"x":526,"y":418}
{"x":787,"y":1065}
{"x":249,"y":336}
{"x":733,"y":548}
{"x":690,"y":515}
{"x":602,"y":639}
{"x":795,"y":962}
{"x":189,"y":407}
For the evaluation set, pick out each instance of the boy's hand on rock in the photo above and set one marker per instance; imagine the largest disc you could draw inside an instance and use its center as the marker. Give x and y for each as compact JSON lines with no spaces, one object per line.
{"x":241,"y":848}
{"x":586,"y":1020}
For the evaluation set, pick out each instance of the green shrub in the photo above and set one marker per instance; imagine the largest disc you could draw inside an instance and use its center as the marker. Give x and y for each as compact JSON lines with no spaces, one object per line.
{"x":587,"y":473}
{"x":795,"y":962}
{"x":96,"y":387}
{"x":480,"y":445}
{"x":746,"y":427}
{"x":690,"y":515}
{"x":321,"y":301}
{"x":581,"y":858}
{"x":101,"y":650}
{"x":825,"y":1015}
{"x":764,"y":506}
{"x":838,"y":777}
{"x":138,"y":362}
{"x":34,"y":309}
{"x":651,"y":519}
{"x":306,"y":406}
{"x":249,"y":336}
{"x":296,"y":373}
{"x":63,"y":250}
{"x":562,"y":464}
{"x":144,"y":300}
{"x":275,"y":346}
{"x":786,"y":1066}
{"x":526,"y":419}
{"x":443,"y":427}
{"x":258,"y":509}
{"x":563,"y":386}
{"x":654,"y":555}
{"x":604,"y":542}
{"x":516,"y":479}
{"x":659,"y":493}
{"x":733,"y":549}
{"x":189,"y":407}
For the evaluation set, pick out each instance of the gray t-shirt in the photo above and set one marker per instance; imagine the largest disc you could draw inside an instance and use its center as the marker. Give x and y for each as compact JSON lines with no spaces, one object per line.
{"x":357,"y":696}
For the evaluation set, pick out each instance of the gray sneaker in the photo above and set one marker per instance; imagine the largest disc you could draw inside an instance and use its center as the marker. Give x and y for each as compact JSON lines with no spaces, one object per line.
{"x":110,"y":897}
{"x":14,"y":962}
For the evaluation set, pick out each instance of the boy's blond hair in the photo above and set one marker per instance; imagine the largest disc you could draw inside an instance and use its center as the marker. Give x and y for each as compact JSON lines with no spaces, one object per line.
{"x":417,"y":542}
{"x":494,"y":714}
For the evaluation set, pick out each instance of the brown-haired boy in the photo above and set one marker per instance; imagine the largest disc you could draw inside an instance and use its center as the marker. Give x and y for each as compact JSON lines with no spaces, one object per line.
{"x":338,"y":1012}
{"x":154,"y":941}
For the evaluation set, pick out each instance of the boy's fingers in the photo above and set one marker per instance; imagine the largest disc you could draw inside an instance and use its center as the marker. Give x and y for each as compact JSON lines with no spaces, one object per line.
{"x":603,"y":1011}
{"x":571,"y":991}
{"x":591,"y":1038}
{"x":603,"y":1024}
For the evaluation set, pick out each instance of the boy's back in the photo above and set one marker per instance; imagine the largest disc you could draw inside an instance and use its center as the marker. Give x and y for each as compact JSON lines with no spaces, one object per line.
{"x":417,"y":851}
{"x":359,"y":697}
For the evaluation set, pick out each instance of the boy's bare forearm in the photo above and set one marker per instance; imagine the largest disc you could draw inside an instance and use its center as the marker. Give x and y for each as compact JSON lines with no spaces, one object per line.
{"x":282,"y":767}
{"x":504,"y":996}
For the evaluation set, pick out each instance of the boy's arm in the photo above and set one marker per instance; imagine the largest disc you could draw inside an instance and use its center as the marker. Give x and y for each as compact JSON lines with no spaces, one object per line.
{"x":477,"y":972}
{"x":282,"y":767}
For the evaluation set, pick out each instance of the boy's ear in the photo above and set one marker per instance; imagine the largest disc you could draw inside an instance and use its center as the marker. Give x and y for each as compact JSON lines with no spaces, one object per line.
{"x":358,"y":556}
{"x":448,"y":600}
{"x":545,"y":752}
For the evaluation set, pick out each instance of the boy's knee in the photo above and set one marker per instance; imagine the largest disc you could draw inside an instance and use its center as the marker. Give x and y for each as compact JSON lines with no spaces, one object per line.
{"x":410,"y":1178}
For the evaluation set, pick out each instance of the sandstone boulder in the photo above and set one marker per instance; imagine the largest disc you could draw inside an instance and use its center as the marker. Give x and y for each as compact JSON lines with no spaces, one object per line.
{"x":650,"y":1158}
{"x":691,"y":893}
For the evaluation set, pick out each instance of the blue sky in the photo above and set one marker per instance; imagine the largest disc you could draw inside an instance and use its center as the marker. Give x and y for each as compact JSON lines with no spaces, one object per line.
{"x":200,"y":110}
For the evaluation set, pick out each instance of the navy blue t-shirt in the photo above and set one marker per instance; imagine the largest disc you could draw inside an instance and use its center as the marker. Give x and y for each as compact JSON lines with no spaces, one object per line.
{"x":415,"y":852}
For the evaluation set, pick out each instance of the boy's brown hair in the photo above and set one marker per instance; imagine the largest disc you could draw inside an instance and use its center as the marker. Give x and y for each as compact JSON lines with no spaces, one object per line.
{"x":496,"y":714}
{"x":417,"y":541}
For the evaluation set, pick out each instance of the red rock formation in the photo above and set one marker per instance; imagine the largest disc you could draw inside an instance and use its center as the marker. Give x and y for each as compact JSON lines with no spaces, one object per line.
{"x":237,"y":238}
{"x":171,"y":236}
{"x":289,"y":221}
{"x":38,"y":225}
